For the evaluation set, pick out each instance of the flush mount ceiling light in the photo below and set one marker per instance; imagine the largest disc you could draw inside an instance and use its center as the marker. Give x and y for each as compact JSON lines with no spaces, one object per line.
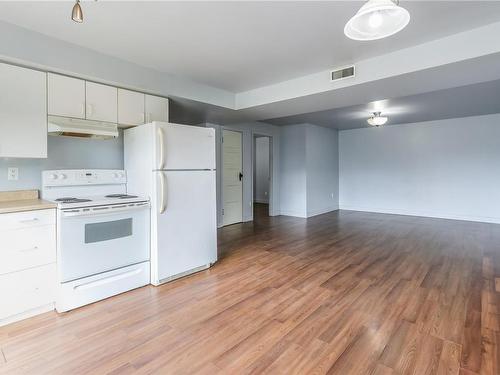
{"x":377,"y":119}
{"x":77,"y":13}
{"x":377,"y":19}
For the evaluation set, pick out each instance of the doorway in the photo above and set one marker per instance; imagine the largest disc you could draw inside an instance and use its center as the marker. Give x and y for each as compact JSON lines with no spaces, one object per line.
{"x":232,"y":177}
{"x":262,"y":172}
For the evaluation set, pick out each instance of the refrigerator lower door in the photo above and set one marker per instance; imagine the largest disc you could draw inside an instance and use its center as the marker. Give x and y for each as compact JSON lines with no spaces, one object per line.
{"x":184,"y":224}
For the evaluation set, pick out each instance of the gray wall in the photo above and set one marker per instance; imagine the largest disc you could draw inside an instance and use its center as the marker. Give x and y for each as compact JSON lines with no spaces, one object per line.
{"x":261,"y":170}
{"x":293,"y":198}
{"x":322,"y":166}
{"x":63,"y":153}
{"x":309,"y":170}
{"x":447,"y":169}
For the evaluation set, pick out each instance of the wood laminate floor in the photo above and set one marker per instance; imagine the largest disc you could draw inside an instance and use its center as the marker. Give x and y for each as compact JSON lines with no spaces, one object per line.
{"x":341,"y":293}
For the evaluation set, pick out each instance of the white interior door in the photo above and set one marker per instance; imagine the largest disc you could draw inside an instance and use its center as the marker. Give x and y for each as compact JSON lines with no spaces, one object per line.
{"x":185,"y":223}
{"x":232,"y":177}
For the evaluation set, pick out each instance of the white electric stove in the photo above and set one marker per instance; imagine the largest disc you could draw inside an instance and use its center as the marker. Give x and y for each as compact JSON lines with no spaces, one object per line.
{"x":103,"y":235}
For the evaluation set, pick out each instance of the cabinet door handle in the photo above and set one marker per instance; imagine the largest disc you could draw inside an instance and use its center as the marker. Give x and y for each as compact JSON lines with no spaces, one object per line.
{"x":27,"y":221}
{"x":29,"y":249}
{"x":90,"y":109}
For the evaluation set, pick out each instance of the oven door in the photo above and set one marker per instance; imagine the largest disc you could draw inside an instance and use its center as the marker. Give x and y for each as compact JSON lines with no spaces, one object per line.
{"x":92,"y":240}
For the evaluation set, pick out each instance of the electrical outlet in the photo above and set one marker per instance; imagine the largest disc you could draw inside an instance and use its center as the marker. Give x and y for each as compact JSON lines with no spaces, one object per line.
{"x":13,"y":174}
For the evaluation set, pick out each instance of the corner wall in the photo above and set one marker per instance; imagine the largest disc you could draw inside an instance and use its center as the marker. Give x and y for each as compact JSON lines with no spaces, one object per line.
{"x":293,"y":193}
{"x":309,"y":170}
{"x":322,"y":166}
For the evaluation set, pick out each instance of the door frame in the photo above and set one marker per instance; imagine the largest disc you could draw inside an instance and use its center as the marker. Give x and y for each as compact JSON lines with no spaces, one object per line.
{"x":223,"y":128}
{"x":255,"y":135}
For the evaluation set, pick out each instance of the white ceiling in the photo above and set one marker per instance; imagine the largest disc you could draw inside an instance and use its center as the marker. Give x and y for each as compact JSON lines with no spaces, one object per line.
{"x":471,"y":100}
{"x":238,"y":46}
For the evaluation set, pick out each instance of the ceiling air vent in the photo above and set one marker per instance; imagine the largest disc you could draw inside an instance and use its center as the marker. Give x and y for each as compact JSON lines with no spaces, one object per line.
{"x":343,"y":73}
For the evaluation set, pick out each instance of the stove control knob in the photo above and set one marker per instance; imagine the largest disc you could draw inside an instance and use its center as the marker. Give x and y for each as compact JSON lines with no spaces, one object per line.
{"x":53,"y":176}
{"x":62,"y":176}
{"x":116,"y":175}
{"x":122,"y":175}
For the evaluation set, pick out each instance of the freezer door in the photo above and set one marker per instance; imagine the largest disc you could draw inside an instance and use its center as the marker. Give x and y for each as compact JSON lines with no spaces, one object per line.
{"x":185,"y":228}
{"x":184,"y":147}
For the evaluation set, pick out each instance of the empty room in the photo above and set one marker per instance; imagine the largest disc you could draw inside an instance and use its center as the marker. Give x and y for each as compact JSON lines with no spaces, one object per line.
{"x":250,"y":187}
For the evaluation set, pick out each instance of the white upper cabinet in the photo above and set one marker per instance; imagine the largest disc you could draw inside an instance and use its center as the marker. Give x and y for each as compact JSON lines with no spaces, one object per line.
{"x":102,"y":102}
{"x":156,"y":108}
{"x":130,"y":107}
{"x":66,"y":96}
{"x":23,"y":112}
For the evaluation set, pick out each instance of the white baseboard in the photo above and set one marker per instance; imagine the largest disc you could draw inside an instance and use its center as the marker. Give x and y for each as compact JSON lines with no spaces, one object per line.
{"x":321,"y":211}
{"x":293,"y":213}
{"x":436,"y":215}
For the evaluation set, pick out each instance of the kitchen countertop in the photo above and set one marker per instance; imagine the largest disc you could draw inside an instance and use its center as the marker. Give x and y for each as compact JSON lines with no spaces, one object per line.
{"x":22,"y":200}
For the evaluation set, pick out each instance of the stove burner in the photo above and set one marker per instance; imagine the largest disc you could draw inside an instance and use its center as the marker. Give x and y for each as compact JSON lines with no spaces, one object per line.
{"x":72,"y":200}
{"x":120,"y":196}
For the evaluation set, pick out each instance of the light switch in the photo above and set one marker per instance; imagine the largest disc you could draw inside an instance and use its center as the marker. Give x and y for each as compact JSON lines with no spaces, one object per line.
{"x":13,"y":174}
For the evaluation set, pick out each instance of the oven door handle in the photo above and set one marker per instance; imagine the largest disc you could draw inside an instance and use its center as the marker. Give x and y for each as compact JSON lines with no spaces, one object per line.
{"x":104,"y":211}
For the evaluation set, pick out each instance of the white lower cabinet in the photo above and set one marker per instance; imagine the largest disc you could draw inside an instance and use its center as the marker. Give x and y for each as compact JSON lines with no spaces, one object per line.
{"x":27,"y":264}
{"x":27,"y":293}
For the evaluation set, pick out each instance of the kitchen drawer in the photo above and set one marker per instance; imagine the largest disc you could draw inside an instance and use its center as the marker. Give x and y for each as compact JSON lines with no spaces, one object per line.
{"x":27,"y":248}
{"x":26,"y":290}
{"x":27,"y":219}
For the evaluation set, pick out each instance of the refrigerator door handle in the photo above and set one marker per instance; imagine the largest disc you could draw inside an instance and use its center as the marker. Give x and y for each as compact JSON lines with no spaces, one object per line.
{"x":163,"y":189}
{"x":161,"y":142}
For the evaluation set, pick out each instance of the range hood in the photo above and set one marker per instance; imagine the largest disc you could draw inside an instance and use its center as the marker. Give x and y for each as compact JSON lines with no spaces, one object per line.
{"x":72,"y":127}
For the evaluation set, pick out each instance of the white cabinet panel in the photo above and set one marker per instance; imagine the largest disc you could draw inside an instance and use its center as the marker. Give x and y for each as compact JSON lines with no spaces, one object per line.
{"x":26,"y":290}
{"x":156,"y":108}
{"x":66,"y":96}
{"x":27,"y":248}
{"x":23,"y":113}
{"x":27,"y":264}
{"x":102,"y":102}
{"x":26,"y":219}
{"x":130,"y":107}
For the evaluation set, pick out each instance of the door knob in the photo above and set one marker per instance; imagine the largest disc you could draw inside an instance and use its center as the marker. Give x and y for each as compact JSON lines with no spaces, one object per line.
{"x":241,"y":176}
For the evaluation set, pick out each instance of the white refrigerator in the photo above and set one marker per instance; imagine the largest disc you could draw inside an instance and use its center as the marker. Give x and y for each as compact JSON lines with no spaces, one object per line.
{"x":175,"y":166}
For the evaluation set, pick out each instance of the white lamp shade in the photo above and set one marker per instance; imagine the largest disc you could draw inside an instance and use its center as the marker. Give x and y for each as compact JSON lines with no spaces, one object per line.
{"x":377,"y":19}
{"x":377,"y":119}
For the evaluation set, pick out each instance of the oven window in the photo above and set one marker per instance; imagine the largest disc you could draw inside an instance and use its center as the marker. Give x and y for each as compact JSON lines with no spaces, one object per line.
{"x":108,"y":230}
